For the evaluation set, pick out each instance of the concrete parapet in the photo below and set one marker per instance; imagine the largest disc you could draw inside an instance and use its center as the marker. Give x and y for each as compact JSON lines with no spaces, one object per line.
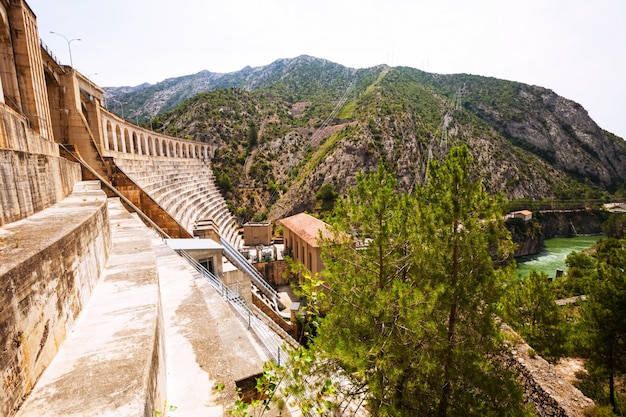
{"x":31,"y":182}
{"x":49,"y":264}
{"x":113,"y":361}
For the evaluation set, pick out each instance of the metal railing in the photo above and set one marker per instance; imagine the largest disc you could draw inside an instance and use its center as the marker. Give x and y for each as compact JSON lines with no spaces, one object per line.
{"x":242,"y":263}
{"x":271,"y":338}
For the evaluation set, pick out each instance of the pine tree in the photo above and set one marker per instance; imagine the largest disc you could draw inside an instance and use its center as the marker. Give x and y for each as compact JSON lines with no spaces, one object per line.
{"x":462,"y":236}
{"x":374,"y":325}
{"x":410,"y":316}
{"x":603,"y":317}
{"x":529,"y":307}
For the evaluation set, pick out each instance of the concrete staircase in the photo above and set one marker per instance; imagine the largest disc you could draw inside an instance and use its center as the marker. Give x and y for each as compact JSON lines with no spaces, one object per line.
{"x":185,"y":188}
{"x":151,"y":330}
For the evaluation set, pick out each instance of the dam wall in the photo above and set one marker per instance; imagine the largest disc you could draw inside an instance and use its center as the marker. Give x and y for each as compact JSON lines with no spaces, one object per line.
{"x":185,"y":188}
{"x":49,"y":264}
{"x":33,"y":176}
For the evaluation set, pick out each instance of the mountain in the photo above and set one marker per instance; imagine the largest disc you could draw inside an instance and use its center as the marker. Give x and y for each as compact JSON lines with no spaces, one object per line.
{"x":145,"y":101}
{"x":284,"y":130}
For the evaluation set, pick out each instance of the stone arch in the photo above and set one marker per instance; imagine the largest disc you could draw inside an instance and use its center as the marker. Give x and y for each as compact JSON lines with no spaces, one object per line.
{"x":142,"y":144}
{"x":159,"y":146}
{"x":171,"y":151}
{"x":119,"y":139}
{"x":109,"y":136}
{"x":125,"y":139}
{"x":150,"y":146}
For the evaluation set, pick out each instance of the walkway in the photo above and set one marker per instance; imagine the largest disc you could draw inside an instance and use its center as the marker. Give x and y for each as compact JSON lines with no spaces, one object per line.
{"x":109,"y":363}
{"x":206,"y":343}
{"x":153,"y":332}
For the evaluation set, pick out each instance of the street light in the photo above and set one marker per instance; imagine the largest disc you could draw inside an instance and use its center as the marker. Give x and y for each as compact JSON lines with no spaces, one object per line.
{"x":121,"y":105}
{"x":69,"y":41}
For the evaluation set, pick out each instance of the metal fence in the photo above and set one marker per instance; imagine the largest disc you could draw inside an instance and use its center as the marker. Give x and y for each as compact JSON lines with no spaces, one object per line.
{"x":272,"y":338}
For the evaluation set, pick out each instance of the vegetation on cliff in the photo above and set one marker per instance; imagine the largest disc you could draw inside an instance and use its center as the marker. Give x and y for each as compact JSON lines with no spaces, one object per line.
{"x":319,"y":123}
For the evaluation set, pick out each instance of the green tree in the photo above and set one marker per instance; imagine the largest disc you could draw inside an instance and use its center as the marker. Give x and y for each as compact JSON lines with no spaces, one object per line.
{"x":253,"y":136}
{"x":224,"y":181}
{"x":374,"y":325}
{"x":529,"y":307}
{"x":603,"y":318}
{"x":461,"y":235}
{"x":405,"y":307}
{"x":327,"y":195}
{"x":410,"y":312}
{"x":615,"y":226}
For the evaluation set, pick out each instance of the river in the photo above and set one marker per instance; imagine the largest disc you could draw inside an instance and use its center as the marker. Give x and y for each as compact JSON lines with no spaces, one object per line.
{"x":553,"y":254}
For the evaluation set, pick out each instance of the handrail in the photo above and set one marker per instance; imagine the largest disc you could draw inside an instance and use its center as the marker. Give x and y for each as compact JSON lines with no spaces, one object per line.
{"x":242,"y":263}
{"x":263,"y":330}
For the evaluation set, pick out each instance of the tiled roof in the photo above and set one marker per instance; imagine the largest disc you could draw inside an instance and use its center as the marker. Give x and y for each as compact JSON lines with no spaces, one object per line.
{"x":307,"y":227}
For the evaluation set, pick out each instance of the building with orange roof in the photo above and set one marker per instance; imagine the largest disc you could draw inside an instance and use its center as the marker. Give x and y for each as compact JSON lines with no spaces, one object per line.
{"x":302,"y":234}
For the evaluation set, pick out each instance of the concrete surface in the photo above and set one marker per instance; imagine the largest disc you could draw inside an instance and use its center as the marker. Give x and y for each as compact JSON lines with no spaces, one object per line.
{"x":112,"y":362}
{"x":206,"y":343}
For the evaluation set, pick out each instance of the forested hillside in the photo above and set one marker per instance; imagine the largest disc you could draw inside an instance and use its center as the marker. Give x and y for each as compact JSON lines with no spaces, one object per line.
{"x":286,"y":130}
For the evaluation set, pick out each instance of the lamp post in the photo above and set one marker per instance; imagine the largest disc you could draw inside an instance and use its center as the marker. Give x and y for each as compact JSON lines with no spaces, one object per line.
{"x":69,"y":47}
{"x":121,"y":106}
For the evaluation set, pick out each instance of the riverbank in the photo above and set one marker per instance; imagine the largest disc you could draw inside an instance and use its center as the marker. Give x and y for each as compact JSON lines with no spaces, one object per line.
{"x":529,"y":236}
{"x":552,"y":255}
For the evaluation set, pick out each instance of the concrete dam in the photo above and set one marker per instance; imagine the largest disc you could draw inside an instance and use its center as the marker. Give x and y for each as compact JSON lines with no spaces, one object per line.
{"x":104,"y":309}
{"x":99,"y":316}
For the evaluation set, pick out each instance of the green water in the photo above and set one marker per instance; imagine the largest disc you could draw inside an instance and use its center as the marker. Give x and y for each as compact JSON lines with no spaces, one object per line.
{"x":553,"y":254}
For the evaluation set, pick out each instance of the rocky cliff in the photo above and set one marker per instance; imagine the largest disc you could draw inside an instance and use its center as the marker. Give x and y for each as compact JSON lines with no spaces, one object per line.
{"x":286,"y":129}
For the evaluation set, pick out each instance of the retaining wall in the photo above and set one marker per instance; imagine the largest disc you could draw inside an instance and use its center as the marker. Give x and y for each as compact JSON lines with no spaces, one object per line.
{"x":49,"y":264}
{"x":550,"y":393}
{"x":31,"y":182}
{"x":15,"y":134}
{"x":113,"y":361}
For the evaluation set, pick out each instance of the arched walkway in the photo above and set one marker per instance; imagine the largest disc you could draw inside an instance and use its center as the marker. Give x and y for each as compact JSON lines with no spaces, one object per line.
{"x":121,"y":136}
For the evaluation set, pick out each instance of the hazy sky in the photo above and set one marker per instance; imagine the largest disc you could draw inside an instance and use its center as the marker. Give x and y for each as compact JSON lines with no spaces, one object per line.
{"x":575,"y":47}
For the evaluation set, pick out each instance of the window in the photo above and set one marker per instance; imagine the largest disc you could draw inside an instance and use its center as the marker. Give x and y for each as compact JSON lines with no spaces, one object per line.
{"x":207,"y":264}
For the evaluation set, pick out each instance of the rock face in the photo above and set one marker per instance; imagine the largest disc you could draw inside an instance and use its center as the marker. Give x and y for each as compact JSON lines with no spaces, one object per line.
{"x":527,"y":235}
{"x":562,"y":132}
{"x":573,"y":223}
{"x":285,"y":129}
{"x":528,"y":246}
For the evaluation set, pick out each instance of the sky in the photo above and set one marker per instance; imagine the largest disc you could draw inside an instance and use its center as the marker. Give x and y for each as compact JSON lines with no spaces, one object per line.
{"x":577,"y":48}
